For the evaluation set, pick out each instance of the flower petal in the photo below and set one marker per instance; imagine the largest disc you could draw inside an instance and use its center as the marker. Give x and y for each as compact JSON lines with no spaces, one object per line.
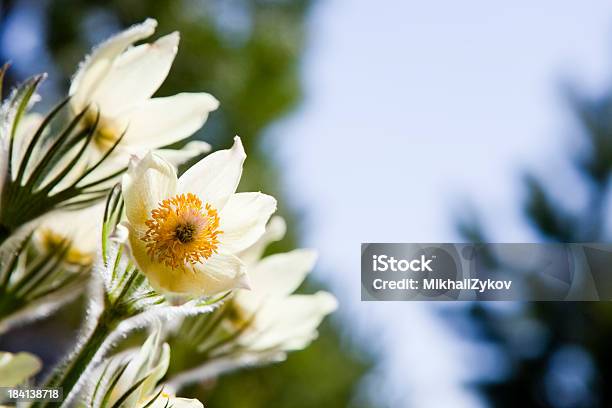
{"x":83,"y":228}
{"x":185,"y":154}
{"x":120,"y":233}
{"x":146,"y":183}
{"x":289,"y":323}
{"x":243,"y":220}
{"x":215,"y":178}
{"x":185,"y":403}
{"x":275,"y":231}
{"x":17,"y":368}
{"x":149,"y":364}
{"x":163,"y":121}
{"x":217,"y":274}
{"x":164,"y":401}
{"x":154,"y":374}
{"x":281,"y":274}
{"x":135,"y":76}
{"x":98,"y":63}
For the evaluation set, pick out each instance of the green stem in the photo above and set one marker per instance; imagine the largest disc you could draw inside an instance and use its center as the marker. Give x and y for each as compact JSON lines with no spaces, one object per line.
{"x":8,"y":305}
{"x":66,"y":376}
{"x":5,"y":232}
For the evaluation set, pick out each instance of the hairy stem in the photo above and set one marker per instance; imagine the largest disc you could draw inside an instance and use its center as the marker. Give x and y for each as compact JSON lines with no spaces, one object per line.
{"x":67,"y":375}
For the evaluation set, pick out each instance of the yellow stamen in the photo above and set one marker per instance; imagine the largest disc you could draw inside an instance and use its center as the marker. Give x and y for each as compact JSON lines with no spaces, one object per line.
{"x":53,"y":242}
{"x":106,"y":134}
{"x":105,"y":137}
{"x":181,"y":231}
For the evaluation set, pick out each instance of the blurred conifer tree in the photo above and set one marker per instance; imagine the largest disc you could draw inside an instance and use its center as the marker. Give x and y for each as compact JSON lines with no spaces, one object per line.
{"x":556,"y":354}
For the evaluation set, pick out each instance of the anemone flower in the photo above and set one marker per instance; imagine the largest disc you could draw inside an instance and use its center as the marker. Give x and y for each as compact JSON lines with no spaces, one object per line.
{"x":115,"y":85}
{"x":184,"y":232}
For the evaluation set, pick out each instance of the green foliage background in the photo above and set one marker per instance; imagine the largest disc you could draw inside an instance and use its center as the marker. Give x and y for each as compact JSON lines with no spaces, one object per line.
{"x":247,"y":54}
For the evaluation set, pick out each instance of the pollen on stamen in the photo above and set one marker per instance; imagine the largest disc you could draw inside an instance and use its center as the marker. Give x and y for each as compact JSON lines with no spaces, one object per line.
{"x":182,"y":231}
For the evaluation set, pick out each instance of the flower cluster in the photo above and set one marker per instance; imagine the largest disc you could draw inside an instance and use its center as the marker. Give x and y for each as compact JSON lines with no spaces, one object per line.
{"x":259,"y":324}
{"x":90,"y":199}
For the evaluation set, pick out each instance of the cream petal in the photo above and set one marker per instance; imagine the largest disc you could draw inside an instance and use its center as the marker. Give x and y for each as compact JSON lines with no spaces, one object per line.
{"x":138,"y":251}
{"x":82,"y":227}
{"x":185,"y":403}
{"x":154,"y":374}
{"x":120,"y":233}
{"x":149,"y":363}
{"x":281,"y":274}
{"x":243,"y":220}
{"x":162,"y":121}
{"x":185,"y":154}
{"x":121,"y":158}
{"x":139,"y":363}
{"x":275,"y":231}
{"x":92,"y":71}
{"x":135,"y":76}
{"x":146,"y":183}
{"x":164,"y":401}
{"x":215,"y":178}
{"x":17,"y":368}
{"x":289,"y":323}
{"x":118,"y":160}
{"x":219,"y":273}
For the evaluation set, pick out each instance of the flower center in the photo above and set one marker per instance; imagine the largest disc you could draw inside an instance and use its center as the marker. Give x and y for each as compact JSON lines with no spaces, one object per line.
{"x":52,"y":242}
{"x":182,"y":231}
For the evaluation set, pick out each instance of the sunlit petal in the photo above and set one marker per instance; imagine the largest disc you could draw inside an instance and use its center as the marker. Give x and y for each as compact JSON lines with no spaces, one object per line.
{"x":135,"y":76}
{"x":281,"y":274}
{"x":244,"y":218}
{"x":289,"y":323}
{"x":275,"y":231}
{"x":99,"y":62}
{"x":162,"y":121}
{"x":215,"y":178}
{"x":146,"y":183}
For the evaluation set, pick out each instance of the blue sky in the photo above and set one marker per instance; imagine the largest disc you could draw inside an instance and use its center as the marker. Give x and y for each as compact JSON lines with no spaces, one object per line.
{"x":413,"y":109}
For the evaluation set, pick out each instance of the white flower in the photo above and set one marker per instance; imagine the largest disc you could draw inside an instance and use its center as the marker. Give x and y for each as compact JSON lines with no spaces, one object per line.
{"x":118,"y":81}
{"x":259,"y":325}
{"x":274,"y":317}
{"x":184,"y":233}
{"x":148,"y":367}
{"x":17,"y":368}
